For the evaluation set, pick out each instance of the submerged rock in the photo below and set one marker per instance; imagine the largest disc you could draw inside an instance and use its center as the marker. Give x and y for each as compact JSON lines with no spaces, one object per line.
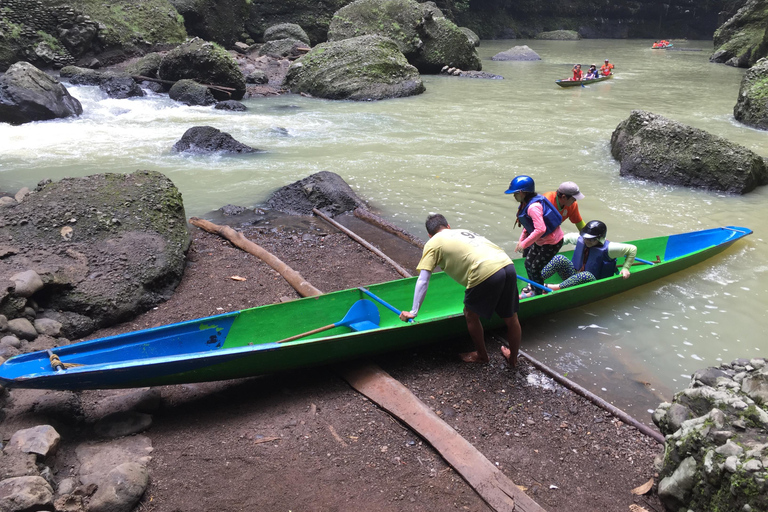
{"x":360,"y":68}
{"x":522,"y":52}
{"x":752,"y":106}
{"x":28,"y":94}
{"x":655,"y":148}
{"x":207,"y":139}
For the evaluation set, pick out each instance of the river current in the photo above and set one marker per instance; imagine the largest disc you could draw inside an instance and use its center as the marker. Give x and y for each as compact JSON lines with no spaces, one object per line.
{"x":454,"y":150}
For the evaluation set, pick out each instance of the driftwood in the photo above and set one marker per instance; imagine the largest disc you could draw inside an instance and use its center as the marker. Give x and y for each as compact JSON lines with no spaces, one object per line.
{"x":387,"y":226}
{"x":400,"y":270}
{"x":220,"y":88}
{"x":294,"y":278}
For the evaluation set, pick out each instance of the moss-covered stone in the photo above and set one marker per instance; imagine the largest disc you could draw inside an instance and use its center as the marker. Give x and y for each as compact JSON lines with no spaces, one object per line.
{"x":559,"y":35}
{"x":220,"y":21}
{"x":312,"y":16}
{"x":752,"y":105}
{"x":360,"y":68}
{"x":743,"y":39}
{"x":286,"y":31}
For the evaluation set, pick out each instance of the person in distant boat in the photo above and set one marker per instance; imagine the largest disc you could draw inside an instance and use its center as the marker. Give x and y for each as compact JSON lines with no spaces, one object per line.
{"x":606,"y":69}
{"x":564,"y":199}
{"x":541,"y":236}
{"x":486,"y":272}
{"x":594,"y":258}
{"x":592,"y":72}
{"x":577,"y":73}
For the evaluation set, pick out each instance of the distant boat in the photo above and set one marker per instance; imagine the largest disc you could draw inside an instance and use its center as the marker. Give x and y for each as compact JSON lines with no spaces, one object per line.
{"x":269,"y":339}
{"x":575,"y":83}
{"x":661,"y":45}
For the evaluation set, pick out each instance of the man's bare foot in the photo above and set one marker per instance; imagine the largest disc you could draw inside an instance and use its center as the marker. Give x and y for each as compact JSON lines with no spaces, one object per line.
{"x":508,"y":356}
{"x":473,"y":357}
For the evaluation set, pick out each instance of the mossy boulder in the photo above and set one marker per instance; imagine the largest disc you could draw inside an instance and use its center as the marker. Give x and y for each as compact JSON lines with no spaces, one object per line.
{"x":424,"y":35}
{"x":655,"y":148}
{"x":55,"y":33}
{"x":282,"y":48}
{"x":286,"y":31}
{"x":107,"y":246}
{"x":312,"y":16}
{"x":743,"y":39}
{"x":28,"y":94}
{"x":360,"y":68}
{"x":559,"y":35}
{"x":219,"y":21}
{"x":473,"y":38}
{"x":189,"y":92}
{"x":206,"y":63}
{"x":752,"y":105}
{"x":148,"y":65}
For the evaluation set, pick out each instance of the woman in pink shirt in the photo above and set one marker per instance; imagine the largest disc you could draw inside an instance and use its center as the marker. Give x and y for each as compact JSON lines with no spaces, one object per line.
{"x":541,"y":236}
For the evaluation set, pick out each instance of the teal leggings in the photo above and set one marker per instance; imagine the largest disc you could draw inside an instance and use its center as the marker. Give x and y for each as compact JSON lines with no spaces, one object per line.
{"x":564,"y":268}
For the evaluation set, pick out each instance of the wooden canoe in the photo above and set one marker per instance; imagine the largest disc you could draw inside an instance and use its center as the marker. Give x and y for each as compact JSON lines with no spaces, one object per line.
{"x":576,"y":83}
{"x":245,"y":343}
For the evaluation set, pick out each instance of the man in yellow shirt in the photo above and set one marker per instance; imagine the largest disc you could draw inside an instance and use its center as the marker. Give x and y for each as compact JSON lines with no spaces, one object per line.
{"x":486,"y":272}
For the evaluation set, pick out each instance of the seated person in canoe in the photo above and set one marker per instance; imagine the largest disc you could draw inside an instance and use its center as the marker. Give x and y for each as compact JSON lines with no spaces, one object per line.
{"x":592,"y":72}
{"x":577,"y":73}
{"x":488,"y":275}
{"x":594,"y":257}
{"x":541,"y":237}
{"x":606,"y":69}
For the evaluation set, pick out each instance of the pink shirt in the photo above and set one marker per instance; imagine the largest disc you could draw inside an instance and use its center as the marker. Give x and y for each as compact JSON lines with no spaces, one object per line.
{"x":536,"y":212}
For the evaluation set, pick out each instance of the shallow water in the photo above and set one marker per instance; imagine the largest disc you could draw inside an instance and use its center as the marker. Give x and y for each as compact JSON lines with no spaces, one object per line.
{"x":454,"y":150}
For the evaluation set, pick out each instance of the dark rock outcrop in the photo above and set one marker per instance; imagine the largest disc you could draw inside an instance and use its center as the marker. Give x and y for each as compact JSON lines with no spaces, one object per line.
{"x":76,"y":235}
{"x":559,"y":35}
{"x":361,"y":68}
{"x":655,"y":148}
{"x":752,"y":105}
{"x":716,"y":446}
{"x":424,"y":35}
{"x":115,"y":84}
{"x":743,"y":39}
{"x":204,"y":63}
{"x":121,"y":87}
{"x":326,"y":191}
{"x":190,"y":92}
{"x":286,"y":31}
{"x":282,"y":48}
{"x":207,"y":139}
{"x":231,"y":105}
{"x":221,"y":21}
{"x":517,"y":53}
{"x":313,"y":17}
{"x":28,"y":94}
{"x":146,"y":65}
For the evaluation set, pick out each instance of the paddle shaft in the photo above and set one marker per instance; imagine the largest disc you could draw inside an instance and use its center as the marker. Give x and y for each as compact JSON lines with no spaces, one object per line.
{"x":646,"y":262}
{"x":382,"y":302}
{"x":313,"y":331}
{"x":537,"y":285}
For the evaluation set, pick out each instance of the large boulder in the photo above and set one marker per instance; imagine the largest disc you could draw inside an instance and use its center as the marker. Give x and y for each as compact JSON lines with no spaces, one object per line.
{"x":205,"y":63}
{"x":286,"y":31}
{"x":717,"y":458}
{"x":752,"y":105}
{"x":220,"y":21}
{"x":115,"y":84}
{"x":55,"y":33}
{"x":107,"y":247}
{"x":326,"y":191}
{"x":743,"y":39}
{"x":658,"y":149}
{"x":361,"y":68}
{"x":28,"y":94}
{"x":190,"y":92}
{"x":282,"y":48}
{"x":207,"y":139}
{"x":424,"y":35}
{"x":517,"y":53}
{"x":559,"y":35}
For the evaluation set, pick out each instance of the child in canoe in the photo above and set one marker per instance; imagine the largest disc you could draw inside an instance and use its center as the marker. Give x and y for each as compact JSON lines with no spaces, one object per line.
{"x":592,"y":72}
{"x":594,"y":257}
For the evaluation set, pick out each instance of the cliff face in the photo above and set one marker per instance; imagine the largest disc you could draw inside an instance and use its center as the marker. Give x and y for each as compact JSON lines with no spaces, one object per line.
{"x":743,"y":39}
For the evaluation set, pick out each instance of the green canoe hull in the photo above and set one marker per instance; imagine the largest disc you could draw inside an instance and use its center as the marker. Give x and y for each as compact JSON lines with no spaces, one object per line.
{"x":576,"y":83}
{"x":244,"y":343}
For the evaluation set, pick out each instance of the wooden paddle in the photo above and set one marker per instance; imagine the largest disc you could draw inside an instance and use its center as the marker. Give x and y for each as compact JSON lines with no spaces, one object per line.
{"x":362,"y":316}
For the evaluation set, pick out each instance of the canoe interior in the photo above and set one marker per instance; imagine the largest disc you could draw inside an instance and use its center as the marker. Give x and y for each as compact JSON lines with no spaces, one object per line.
{"x":244,"y":343}
{"x":576,"y":83}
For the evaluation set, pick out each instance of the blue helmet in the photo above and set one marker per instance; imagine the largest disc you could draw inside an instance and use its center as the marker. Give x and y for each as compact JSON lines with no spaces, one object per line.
{"x":521,"y":184}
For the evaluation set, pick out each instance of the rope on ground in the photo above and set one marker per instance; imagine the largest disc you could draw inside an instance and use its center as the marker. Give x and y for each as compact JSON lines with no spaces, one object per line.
{"x":238,"y":240}
{"x":400,"y":270}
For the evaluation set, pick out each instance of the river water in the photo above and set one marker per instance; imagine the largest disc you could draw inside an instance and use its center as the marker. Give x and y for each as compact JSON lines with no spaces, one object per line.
{"x":454,"y":150}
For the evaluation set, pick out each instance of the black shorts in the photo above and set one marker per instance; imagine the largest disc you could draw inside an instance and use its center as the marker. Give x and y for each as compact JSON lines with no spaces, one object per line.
{"x":497,"y":294}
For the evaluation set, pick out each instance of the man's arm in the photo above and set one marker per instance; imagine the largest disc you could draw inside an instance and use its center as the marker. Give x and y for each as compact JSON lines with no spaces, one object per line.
{"x":422,"y":284}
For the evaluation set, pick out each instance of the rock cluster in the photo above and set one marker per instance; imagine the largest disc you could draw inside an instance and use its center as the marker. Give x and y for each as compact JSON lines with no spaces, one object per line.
{"x":652,"y":147}
{"x":469,"y":74}
{"x":716,"y":452}
{"x":752,"y":105}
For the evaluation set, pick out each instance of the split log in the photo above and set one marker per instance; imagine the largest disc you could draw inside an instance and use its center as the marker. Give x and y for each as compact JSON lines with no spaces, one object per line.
{"x":238,"y":240}
{"x":400,"y":270}
{"x":385,"y":225}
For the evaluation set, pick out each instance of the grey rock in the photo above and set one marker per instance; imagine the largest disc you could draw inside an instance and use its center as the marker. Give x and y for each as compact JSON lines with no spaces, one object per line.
{"x":15,"y":462}
{"x":146,"y":66}
{"x":47,"y":326}
{"x":675,"y":490}
{"x":231,"y":105}
{"x":257,"y":76}
{"x":286,"y":31}
{"x":27,"y":283}
{"x":3,"y":323}
{"x":8,"y":351}
{"x":25,"y":493}
{"x":121,"y":489}
{"x":28,"y":94}
{"x":66,"y":486}
{"x":122,"y":424}
{"x":739,"y":41}
{"x":98,"y":459}
{"x":676,"y":415}
{"x":729,"y":449}
{"x":710,"y":376}
{"x":756,"y":386}
{"x":207,"y":139}
{"x":652,"y":147}
{"x":522,"y":52}
{"x":282,"y":48}
{"x":7,"y":202}
{"x":325,"y":191}
{"x":22,"y":328}
{"x":559,"y":35}
{"x":751,"y":106}
{"x":10,"y":341}
{"x":121,"y":87}
{"x":41,"y":440}
{"x":473,"y":38}
{"x":190,"y":92}
{"x":21,"y":194}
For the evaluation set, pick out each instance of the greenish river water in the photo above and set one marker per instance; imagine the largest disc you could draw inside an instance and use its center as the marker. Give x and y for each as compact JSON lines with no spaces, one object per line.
{"x":454,"y":150}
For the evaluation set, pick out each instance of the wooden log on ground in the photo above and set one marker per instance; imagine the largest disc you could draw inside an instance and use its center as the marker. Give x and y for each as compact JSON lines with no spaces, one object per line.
{"x":238,"y":240}
{"x":498,"y":491}
{"x":375,"y":220}
{"x":400,"y":270}
{"x":221,"y":88}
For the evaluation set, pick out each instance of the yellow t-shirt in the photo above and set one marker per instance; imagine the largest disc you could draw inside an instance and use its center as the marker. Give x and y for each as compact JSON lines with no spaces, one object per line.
{"x":467,"y":257}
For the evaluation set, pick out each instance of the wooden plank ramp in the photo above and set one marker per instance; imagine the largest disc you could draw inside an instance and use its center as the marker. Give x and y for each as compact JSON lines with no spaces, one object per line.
{"x":498,"y":491}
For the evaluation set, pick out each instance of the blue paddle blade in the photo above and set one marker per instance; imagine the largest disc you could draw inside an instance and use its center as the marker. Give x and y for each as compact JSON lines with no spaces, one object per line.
{"x":362,"y":316}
